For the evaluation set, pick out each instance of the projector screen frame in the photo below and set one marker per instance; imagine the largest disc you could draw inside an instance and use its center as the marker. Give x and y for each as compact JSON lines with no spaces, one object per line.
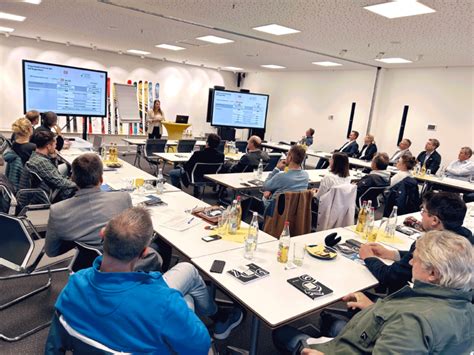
{"x":243,"y":93}
{"x":70,"y":67}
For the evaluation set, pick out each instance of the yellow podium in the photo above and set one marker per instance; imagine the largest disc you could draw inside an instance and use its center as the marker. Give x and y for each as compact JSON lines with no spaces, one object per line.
{"x":175,"y":130}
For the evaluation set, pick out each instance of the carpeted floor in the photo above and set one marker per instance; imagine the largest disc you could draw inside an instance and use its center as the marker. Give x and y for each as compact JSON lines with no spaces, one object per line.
{"x":39,"y":309}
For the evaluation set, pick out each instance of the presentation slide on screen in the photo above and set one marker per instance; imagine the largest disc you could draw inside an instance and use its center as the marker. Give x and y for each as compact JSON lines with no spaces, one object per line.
{"x":237,"y":109}
{"x":64,"y":90}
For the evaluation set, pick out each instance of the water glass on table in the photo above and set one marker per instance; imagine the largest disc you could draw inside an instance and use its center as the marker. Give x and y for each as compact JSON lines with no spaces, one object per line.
{"x":299,"y":250}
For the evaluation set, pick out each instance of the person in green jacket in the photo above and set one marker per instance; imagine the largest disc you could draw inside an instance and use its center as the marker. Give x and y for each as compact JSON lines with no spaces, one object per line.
{"x":434,"y":315}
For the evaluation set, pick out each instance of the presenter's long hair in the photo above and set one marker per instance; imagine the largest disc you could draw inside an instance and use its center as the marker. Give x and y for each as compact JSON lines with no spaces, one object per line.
{"x":159,"y":108}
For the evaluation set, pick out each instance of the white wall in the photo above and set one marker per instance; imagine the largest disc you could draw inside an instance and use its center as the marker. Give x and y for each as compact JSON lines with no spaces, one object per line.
{"x":299,"y":100}
{"x":442,"y":96}
{"x":183,"y":88}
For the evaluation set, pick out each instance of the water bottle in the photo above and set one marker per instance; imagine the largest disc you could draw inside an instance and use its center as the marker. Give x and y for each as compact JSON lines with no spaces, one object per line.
{"x":369,"y":225}
{"x":284,"y":244}
{"x":361,"y":217}
{"x":233,"y":218}
{"x":160,"y":182}
{"x":391,"y":224}
{"x":103,"y":152}
{"x":260,"y":170}
{"x":239,"y":212}
{"x":252,"y":238}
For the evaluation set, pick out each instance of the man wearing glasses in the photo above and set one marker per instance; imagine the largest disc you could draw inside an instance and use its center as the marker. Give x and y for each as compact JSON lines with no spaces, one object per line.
{"x":440,"y":211}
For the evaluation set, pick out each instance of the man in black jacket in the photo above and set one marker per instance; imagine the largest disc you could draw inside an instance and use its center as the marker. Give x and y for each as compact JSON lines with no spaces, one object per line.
{"x":430,"y":158}
{"x":252,"y":158}
{"x":208,"y":155}
{"x":350,"y":148}
{"x":378,"y":177}
{"x":440,"y":211}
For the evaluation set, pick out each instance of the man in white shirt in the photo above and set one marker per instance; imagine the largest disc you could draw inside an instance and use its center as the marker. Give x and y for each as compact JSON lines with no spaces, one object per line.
{"x":463,"y":168}
{"x":403,"y":146}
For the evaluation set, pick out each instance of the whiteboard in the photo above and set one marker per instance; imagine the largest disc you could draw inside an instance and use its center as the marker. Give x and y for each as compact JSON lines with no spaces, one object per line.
{"x":127,"y":103}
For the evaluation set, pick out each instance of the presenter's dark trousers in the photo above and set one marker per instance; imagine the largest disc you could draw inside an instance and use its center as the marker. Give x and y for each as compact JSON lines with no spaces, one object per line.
{"x":156,"y":134}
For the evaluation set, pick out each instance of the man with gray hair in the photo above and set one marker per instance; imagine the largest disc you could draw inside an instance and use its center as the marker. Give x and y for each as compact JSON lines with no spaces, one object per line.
{"x":432,"y":316}
{"x":252,"y":157}
{"x":463,"y":167}
{"x":139,"y":312}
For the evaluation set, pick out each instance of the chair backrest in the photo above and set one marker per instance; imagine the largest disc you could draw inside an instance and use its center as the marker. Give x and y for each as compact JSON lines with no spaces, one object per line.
{"x":272,"y":162}
{"x":8,"y":201}
{"x":294,"y":207}
{"x":4,"y":143}
{"x":221,"y":146}
{"x":84,"y":257}
{"x":154,"y":146}
{"x":201,"y":169}
{"x":337,"y":207}
{"x":32,"y":189}
{"x":372,"y":194}
{"x":404,"y":195}
{"x":186,"y":145}
{"x":16,"y":244}
{"x":241,"y":146}
{"x":62,"y":339}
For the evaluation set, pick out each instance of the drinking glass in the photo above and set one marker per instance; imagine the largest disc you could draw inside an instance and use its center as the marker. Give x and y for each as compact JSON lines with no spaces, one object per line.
{"x":299,"y":250}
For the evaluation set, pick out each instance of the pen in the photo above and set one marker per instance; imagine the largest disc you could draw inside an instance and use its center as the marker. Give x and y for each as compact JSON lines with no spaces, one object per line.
{"x":190,"y":220}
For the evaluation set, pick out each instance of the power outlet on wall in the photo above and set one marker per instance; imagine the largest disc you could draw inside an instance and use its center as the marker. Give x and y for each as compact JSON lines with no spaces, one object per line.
{"x":431,"y":127}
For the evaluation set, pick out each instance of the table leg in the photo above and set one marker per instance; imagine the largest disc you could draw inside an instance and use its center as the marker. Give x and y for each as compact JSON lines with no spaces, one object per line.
{"x":254,"y":335}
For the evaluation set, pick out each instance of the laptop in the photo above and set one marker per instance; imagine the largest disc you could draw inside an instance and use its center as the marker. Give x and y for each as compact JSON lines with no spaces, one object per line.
{"x":182,"y":119}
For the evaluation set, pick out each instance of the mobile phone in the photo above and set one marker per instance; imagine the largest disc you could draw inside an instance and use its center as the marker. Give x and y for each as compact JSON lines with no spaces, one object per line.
{"x":218,"y":266}
{"x":211,"y":238}
{"x":405,"y":230}
{"x":354,"y":242}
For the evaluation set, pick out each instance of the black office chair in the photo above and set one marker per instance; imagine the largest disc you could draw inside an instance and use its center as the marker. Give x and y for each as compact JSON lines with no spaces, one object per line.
{"x":197,"y":178}
{"x":272,"y":162}
{"x":21,"y":250}
{"x":241,"y":146}
{"x":154,"y":146}
{"x":221,"y":146}
{"x":4,"y":143}
{"x":372,"y":194}
{"x":63,"y":339}
{"x":84,"y":257}
{"x":186,"y":145}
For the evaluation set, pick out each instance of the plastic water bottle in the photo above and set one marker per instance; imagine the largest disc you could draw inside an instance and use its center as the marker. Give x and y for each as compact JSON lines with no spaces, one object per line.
{"x":284,"y":244}
{"x":103,"y":152}
{"x":160,"y":182}
{"x":260,"y":170}
{"x":233,"y":218}
{"x":252,"y":238}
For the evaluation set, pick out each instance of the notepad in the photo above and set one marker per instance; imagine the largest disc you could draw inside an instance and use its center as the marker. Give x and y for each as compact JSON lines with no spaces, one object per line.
{"x":309,"y":286}
{"x":248,"y":273}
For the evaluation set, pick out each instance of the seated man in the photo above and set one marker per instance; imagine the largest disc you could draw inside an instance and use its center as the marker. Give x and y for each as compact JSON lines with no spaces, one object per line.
{"x":49,"y":123}
{"x":307,"y":139}
{"x":139,"y":312}
{"x":251,"y":159}
{"x":368,"y":149}
{"x":43,"y":162}
{"x":440,"y":211}
{"x":378,"y":177}
{"x":434,"y":316}
{"x":208,"y":155}
{"x":463,"y":168}
{"x":281,"y":181}
{"x":403,"y":148}
{"x":350,"y":148}
{"x":430,"y":158}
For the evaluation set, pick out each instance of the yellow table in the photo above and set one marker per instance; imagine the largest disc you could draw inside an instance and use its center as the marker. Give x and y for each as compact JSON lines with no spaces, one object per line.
{"x":175,"y":130}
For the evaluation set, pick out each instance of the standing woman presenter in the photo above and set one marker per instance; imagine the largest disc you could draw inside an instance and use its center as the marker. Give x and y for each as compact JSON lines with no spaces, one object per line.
{"x":154,"y":119}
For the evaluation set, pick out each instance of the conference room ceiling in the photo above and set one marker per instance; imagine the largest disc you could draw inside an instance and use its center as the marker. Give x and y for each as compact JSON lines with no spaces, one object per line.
{"x":440,"y":39}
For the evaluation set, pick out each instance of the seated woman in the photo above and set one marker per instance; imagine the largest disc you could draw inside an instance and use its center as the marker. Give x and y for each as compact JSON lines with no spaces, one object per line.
{"x":23,"y":131}
{"x":404,"y":165}
{"x":338,"y":174}
{"x":369,"y":149}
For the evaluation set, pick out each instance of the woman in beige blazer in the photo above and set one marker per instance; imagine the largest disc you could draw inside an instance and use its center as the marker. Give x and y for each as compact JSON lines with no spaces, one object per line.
{"x":154,"y":118}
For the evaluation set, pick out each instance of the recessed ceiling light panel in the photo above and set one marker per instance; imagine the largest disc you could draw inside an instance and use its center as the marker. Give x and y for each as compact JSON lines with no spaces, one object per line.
{"x":6,"y":29}
{"x":400,"y":8}
{"x":276,"y":30}
{"x":170,"y":47}
{"x":34,"y":2}
{"x":394,"y":60}
{"x":11,"y":17}
{"x":137,"y":51}
{"x":327,"y":64}
{"x":233,"y":68}
{"x":214,"y":39}
{"x":272,"y":66}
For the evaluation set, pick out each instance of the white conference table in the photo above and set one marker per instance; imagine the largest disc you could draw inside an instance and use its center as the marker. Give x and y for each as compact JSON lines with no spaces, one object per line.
{"x":240,"y":181}
{"x":445,"y":181}
{"x":277,"y":146}
{"x":142,"y":141}
{"x":272,"y":299}
{"x":352,"y":161}
{"x":184,"y":157}
{"x":189,"y":241}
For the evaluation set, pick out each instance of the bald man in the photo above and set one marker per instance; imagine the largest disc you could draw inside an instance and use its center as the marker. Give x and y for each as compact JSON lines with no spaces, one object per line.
{"x":251,"y":159}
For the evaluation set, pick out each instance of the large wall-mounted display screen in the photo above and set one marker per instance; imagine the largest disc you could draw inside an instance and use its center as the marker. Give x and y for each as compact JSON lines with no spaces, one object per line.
{"x":68,"y":91}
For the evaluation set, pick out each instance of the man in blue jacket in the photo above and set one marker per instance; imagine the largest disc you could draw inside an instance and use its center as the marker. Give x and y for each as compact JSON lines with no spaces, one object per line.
{"x":138,"y":312}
